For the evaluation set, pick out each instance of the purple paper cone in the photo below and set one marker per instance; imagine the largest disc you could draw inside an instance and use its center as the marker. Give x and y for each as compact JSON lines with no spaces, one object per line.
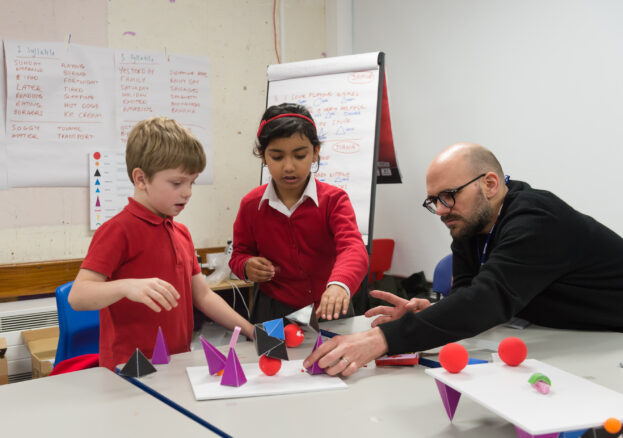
{"x":216,"y":359}
{"x":161,"y":352}
{"x":450,"y":398}
{"x":233,"y":374}
{"x":315,"y":369}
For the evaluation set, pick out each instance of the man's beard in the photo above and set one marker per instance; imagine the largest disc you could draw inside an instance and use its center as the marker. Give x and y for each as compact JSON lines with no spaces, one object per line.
{"x":474,"y":224}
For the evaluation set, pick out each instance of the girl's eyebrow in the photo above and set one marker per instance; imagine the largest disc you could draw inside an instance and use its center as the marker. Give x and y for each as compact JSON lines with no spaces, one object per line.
{"x":281,"y":150}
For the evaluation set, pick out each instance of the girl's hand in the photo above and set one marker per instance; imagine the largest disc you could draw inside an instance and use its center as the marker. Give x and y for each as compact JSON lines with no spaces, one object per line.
{"x":259,"y":269}
{"x":334,"y":300}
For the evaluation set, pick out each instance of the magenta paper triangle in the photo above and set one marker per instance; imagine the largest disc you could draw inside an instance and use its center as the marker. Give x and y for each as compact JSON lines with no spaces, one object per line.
{"x":233,"y":374}
{"x":450,"y":398}
{"x":315,"y":369}
{"x":523,"y":434}
{"x":216,"y":359}
{"x":161,"y":352}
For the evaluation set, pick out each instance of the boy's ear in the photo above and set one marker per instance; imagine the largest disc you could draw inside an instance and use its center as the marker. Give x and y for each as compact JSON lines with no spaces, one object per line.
{"x":139,"y":178}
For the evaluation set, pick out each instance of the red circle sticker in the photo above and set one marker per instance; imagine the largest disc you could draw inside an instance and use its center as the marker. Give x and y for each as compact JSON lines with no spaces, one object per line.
{"x":97,"y":155}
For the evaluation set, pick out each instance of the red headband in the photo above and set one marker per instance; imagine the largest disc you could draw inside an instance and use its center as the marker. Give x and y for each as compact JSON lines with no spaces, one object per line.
{"x":301,"y":116}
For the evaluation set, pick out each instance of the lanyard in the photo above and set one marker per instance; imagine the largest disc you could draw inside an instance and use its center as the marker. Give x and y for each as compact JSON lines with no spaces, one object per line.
{"x":484,"y":249}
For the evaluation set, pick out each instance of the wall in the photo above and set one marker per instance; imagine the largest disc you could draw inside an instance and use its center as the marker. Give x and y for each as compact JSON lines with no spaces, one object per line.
{"x":236,"y":35}
{"x":537,"y":82}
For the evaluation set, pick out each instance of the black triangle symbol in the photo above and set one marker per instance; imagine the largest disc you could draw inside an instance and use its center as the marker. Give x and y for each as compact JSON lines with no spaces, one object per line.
{"x":97,"y":172}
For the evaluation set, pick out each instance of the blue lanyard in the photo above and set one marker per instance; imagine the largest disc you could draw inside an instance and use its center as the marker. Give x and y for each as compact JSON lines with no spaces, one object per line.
{"x":484,"y":249}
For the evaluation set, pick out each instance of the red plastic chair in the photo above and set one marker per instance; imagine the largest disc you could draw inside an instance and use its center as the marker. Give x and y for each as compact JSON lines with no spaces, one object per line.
{"x":381,"y":258}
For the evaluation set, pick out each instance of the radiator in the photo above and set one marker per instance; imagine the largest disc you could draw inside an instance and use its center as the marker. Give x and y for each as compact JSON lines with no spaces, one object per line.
{"x":16,"y":316}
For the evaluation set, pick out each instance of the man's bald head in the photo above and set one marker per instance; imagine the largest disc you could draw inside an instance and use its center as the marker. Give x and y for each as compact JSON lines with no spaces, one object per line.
{"x":468,"y":157}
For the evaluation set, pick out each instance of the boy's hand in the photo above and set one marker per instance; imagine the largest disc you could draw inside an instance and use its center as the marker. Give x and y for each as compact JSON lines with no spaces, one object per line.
{"x":334,"y":300}
{"x":153,"y":292}
{"x":259,"y":269}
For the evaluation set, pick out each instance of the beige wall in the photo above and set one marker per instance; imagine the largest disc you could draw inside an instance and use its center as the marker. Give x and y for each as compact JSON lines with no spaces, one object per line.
{"x":237,"y":36}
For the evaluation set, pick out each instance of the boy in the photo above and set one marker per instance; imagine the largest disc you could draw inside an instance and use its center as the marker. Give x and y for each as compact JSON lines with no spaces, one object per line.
{"x":141,"y":271}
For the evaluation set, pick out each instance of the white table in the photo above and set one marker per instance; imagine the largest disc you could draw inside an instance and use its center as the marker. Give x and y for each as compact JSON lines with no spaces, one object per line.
{"x":93,"y":403}
{"x":387,"y":401}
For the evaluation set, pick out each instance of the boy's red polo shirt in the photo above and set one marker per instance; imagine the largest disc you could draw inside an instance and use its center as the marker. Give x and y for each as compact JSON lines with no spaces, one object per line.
{"x":137,"y":243}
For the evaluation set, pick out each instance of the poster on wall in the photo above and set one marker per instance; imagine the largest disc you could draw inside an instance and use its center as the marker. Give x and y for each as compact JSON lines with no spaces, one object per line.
{"x":140,"y":80}
{"x":63,"y":101}
{"x":4,"y":184}
{"x":109,"y":186}
{"x":58,"y":108}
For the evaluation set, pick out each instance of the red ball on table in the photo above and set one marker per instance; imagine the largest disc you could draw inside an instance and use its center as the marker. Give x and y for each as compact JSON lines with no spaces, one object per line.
{"x":512,"y":351}
{"x":453,"y":357}
{"x":294,"y":335}
{"x":269,"y":365}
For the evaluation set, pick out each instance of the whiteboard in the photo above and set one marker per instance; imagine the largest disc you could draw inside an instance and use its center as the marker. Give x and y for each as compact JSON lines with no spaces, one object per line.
{"x":342,"y":94}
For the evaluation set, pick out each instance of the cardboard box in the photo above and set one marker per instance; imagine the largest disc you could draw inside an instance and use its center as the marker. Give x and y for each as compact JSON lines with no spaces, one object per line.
{"x":4,"y":367}
{"x":42,"y":345}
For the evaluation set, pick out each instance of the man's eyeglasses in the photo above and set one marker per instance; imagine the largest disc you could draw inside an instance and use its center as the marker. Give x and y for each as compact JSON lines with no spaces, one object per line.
{"x":446,"y":197}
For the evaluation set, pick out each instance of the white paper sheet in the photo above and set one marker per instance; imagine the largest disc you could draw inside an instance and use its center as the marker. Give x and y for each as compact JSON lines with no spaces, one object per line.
{"x":175,"y":86}
{"x":290,"y":379}
{"x":3,"y":155}
{"x":58,"y":107}
{"x":109,"y":186}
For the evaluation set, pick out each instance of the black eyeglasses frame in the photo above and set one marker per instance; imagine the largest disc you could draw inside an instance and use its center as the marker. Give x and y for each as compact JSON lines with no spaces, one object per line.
{"x":430,"y":203}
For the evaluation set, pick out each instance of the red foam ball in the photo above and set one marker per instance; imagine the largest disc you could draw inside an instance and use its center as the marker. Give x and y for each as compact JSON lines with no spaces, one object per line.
{"x":294,"y":335}
{"x":512,"y":351}
{"x":269,"y":365}
{"x":453,"y":357}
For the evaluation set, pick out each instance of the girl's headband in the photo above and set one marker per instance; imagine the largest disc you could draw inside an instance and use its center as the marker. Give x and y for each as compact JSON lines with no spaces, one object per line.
{"x":265,"y":122}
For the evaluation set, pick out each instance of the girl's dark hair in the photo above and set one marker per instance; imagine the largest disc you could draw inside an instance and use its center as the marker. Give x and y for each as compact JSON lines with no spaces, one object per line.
{"x":285,"y":126}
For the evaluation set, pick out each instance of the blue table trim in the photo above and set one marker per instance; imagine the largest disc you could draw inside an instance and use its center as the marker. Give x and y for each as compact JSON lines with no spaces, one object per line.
{"x":174,"y":405}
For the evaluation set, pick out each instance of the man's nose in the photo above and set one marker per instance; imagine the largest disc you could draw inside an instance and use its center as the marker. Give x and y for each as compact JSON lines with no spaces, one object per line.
{"x":441,"y":209}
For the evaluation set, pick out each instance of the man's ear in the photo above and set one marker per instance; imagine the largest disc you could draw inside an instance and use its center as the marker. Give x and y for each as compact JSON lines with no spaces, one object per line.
{"x":140,"y":178}
{"x":491,"y":184}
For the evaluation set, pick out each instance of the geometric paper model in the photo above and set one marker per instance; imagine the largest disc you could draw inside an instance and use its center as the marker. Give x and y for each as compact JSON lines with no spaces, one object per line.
{"x":315,"y":369}
{"x":500,"y":388}
{"x":233,"y":374}
{"x":274,"y":328}
{"x":216,"y":359}
{"x":269,"y":345}
{"x":137,"y":366}
{"x":450,"y":398}
{"x":161,"y":352}
{"x":305,"y":316}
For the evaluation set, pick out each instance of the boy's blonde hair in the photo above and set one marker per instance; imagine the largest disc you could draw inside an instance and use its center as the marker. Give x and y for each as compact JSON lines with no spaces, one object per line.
{"x":158,"y":144}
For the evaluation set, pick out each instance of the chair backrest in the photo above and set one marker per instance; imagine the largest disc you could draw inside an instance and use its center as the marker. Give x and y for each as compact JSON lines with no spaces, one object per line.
{"x":381,"y":258}
{"x":79,"y":332}
{"x":442,"y":277}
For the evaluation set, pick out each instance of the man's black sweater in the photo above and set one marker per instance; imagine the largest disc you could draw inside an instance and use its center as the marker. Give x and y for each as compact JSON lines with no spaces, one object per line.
{"x":545,"y":262}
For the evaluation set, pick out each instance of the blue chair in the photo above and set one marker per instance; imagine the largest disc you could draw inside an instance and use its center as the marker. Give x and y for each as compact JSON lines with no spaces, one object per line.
{"x":442,"y":277}
{"x":79,"y":332}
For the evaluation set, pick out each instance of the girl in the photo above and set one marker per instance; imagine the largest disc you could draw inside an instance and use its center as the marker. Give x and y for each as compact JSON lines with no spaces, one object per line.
{"x":296,"y":236}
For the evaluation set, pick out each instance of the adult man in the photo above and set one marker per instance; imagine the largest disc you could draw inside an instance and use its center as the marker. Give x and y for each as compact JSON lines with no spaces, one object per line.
{"x":516,"y":251}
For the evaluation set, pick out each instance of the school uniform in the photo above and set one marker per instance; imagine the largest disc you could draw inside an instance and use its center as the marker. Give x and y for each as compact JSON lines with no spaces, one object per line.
{"x":137,"y":243}
{"x":313,"y":244}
